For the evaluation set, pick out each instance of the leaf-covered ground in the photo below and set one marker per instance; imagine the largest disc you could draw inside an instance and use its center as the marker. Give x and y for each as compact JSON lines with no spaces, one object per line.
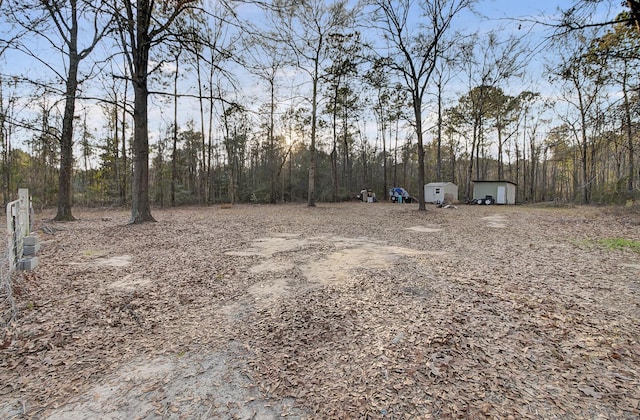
{"x":341,"y":311}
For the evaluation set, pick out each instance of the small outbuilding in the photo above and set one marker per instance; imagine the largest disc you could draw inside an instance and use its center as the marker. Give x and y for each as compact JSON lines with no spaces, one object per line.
{"x":501,"y":192}
{"x":441,"y":192}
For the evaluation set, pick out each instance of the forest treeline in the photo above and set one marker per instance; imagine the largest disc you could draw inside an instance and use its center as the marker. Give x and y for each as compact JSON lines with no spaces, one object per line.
{"x":173,"y":103}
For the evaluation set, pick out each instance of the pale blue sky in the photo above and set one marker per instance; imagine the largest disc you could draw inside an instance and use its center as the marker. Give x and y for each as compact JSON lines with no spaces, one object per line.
{"x":517,"y":16}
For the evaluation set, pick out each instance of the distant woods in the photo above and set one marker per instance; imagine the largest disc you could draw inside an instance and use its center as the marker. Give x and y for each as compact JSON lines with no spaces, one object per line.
{"x":146,"y":104}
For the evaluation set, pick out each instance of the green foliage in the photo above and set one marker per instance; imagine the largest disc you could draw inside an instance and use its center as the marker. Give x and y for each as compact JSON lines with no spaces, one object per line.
{"x":613,"y":193}
{"x":620,"y":244}
{"x":259,"y":196}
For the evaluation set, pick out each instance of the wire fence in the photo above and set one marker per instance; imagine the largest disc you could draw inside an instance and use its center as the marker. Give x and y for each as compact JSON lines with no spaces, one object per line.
{"x":19,"y":223}
{"x":7,"y":303}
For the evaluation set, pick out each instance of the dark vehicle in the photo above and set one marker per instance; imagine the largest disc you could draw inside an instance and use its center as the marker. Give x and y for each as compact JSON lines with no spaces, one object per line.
{"x":400,"y":195}
{"x":488,"y":200}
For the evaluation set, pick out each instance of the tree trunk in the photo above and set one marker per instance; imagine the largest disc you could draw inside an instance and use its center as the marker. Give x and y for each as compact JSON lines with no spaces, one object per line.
{"x":140,"y":206}
{"x":116,"y":145}
{"x":123,"y":169}
{"x":500,"y":145}
{"x":439,"y":146}
{"x":174,"y":150}
{"x":204,"y":170}
{"x":66,"y":140}
{"x":334,"y":150}
{"x":474,"y":141}
{"x":141,"y":40}
{"x":533,"y":168}
{"x":395,"y":155}
{"x":384,"y":155}
{"x":586,"y":188}
{"x":272,"y":148}
{"x":417,"y":109}
{"x":211,"y":175}
{"x":629,"y":134}
{"x":347,"y":159}
{"x":311,"y":201}
{"x":6,"y":146}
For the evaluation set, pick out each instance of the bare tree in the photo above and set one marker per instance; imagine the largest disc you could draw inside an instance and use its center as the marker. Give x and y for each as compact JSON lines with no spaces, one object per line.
{"x":582,"y":78}
{"x":378,"y":78}
{"x":7,"y":113}
{"x":266,"y":60}
{"x":305,"y":28}
{"x":142,"y":25}
{"x":59,"y":23}
{"x":345,"y":49}
{"x":415,"y":46}
{"x":211,"y":42}
{"x":620,"y":45}
{"x":488,"y":62}
{"x":578,"y":16}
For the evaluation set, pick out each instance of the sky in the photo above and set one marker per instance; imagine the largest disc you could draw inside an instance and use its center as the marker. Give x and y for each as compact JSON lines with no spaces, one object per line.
{"x":517,"y":17}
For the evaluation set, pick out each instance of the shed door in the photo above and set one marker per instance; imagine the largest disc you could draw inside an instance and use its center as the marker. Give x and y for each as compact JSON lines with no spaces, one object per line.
{"x":502,"y":195}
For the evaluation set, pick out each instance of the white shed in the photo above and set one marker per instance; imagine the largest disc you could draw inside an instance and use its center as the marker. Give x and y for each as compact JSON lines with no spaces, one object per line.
{"x":440,"y":192}
{"x":503,"y":192}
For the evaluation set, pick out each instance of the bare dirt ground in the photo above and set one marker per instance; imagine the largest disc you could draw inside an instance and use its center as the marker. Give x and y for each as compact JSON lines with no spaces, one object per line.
{"x":342,"y":311}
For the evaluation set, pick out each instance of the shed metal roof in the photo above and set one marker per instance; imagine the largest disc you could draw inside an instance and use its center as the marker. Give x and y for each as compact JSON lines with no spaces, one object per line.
{"x":496,"y":180}
{"x":439,"y":184}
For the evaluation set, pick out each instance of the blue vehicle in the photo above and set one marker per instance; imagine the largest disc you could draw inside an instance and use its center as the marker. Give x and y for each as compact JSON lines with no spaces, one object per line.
{"x":400,"y":195}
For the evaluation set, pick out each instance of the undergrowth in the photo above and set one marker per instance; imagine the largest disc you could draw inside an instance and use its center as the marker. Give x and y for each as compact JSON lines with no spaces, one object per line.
{"x":619,"y":243}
